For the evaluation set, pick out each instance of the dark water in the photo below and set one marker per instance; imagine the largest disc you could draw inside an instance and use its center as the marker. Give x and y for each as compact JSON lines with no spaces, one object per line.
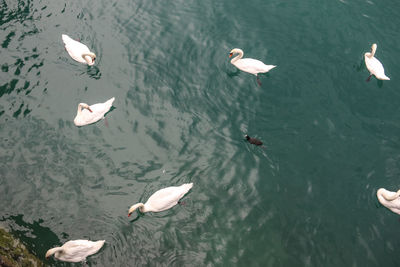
{"x":308,"y":199}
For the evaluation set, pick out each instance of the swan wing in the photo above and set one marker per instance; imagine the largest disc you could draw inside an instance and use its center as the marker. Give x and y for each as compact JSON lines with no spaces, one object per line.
{"x":86,"y":117}
{"x":101,"y":108}
{"x":78,"y":250}
{"x":167,"y":197}
{"x":74,"y":48}
{"x":252,"y":66}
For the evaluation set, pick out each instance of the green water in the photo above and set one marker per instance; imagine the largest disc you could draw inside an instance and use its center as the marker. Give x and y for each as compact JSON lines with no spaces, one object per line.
{"x":181,"y":111}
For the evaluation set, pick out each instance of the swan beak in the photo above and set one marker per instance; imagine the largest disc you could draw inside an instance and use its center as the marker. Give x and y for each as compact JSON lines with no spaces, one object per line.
{"x":230,"y":55}
{"x":129,"y":214}
{"x":90,"y":109}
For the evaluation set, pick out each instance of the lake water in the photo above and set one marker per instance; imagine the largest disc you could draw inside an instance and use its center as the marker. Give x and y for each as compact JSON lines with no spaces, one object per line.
{"x":308,"y":198}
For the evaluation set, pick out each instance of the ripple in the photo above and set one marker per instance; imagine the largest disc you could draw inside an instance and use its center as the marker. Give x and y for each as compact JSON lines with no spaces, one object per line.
{"x":181,"y":112}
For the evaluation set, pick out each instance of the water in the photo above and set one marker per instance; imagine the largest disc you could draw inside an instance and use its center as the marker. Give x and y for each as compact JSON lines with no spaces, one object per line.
{"x":181,"y":112}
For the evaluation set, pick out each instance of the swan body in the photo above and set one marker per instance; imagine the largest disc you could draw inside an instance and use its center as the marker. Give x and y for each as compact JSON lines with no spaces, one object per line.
{"x":162,"y":199}
{"x":90,"y":114}
{"x":249,"y":65}
{"x":374,"y":66}
{"x":389,"y":199}
{"x":78,"y":51}
{"x":75,"y":250}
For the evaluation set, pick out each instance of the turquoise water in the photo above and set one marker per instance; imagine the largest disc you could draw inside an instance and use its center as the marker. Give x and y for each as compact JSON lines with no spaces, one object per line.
{"x":181,"y":111}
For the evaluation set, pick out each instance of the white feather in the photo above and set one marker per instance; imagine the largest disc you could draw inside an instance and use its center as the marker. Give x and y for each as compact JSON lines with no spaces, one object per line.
{"x":84,"y":116}
{"x":77,"y":50}
{"x":374,"y":66}
{"x":75,"y":250}
{"x":249,"y":65}
{"x":163,"y":199}
{"x":389,"y":199}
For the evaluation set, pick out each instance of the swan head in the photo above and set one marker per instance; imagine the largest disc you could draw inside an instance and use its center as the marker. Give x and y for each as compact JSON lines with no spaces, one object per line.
{"x":89,"y":58}
{"x":134,"y":207}
{"x":235,"y":51}
{"x":380,"y":192}
{"x":49,"y":253}
{"x":387,"y":195}
{"x":373,"y":50}
{"x":84,"y":105}
{"x":52,"y":251}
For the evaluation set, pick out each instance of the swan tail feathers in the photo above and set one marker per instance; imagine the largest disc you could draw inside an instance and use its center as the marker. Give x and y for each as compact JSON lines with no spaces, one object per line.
{"x":100,"y":243}
{"x":111,"y":100}
{"x":382,"y":77}
{"x":97,"y":245}
{"x":187,"y":187}
{"x":65,"y":38}
{"x":269,"y":67}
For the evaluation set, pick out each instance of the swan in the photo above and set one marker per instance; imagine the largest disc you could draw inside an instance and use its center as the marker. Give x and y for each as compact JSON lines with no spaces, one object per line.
{"x":374,"y":66}
{"x":78,"y":51}
{"x":249,"y":65}
{"x":75,"y":250}
{"x":90,"y":114}
{"x":162,"y":199}
{"x":389,"y":199}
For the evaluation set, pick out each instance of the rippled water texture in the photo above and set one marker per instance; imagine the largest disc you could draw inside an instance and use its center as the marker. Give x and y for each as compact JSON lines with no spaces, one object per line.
{"x":181,"y":112}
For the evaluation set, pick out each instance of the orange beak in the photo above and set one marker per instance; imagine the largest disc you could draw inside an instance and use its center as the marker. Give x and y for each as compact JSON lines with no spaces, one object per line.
{"x":90,"y":110}
{"x":230,"y":55}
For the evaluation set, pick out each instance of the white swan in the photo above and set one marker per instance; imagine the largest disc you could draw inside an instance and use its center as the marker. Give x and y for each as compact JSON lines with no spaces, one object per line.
{"x":374,"y":66}
{"x":163,"y":199}
{"x":78,"y":51}
{"x":389,"y":199}
{"x":249,"y":65}
{"x":90,"y":114}
{"x":75,"y":250}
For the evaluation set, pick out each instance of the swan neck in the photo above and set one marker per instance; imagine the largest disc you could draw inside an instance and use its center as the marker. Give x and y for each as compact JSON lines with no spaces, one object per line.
{"x":239,"y":56}
{"x":392,"y":197}
{"x":89,"y":57}
{"x":139,"y":206}
{"x":53,"y":250}
{"x":373,"y":50}
{"x":80,"y":107}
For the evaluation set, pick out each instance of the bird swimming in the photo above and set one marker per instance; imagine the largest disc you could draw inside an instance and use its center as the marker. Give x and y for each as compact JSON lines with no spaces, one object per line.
{"x":90,"y":114}
{"x":75,"y":250}
{"x":374,"y":66}
{"x":78,"y":51}
{"x":162,"y":199}
{"x":253,"y":141}
{"x":249,"y":65}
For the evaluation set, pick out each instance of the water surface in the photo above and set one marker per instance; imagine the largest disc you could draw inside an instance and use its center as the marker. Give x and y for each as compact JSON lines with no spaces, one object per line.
{"x":181,"y":111}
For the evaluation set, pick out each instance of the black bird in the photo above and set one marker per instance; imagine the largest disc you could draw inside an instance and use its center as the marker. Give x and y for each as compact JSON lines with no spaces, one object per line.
{"x":253,"y":141}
